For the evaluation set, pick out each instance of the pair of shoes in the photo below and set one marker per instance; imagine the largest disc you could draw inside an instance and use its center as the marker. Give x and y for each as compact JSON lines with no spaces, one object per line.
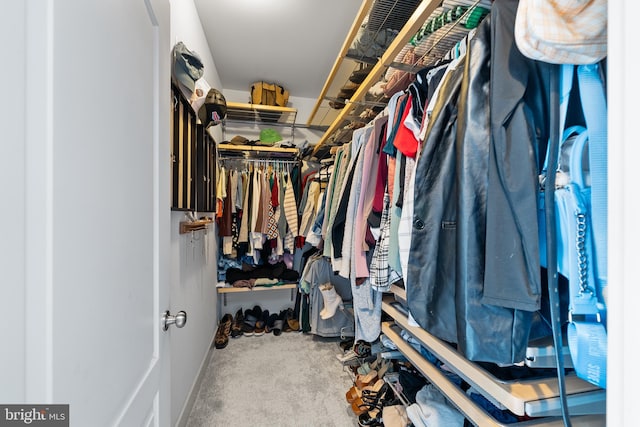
{"x":347,"y":343}
{"x":261,"y":323}
{"x":370,"y":398}
{"x":371,"y":418}
{"x":221,"y":338}
{"x":347,"y":357}
{"x":276,"y":323}
{"x":358,"y":76}
{"x":360,"y":350}
{"x":368,"y":366}
{"x":365,"y":381}
{"x":270,"y":325}
{"x":291,"y":322}
{"x":251,"y":318}
{"x":236,"y":326}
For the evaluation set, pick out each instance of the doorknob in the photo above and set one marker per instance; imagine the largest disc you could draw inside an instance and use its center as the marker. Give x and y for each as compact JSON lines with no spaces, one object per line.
{"x":179,"y":320}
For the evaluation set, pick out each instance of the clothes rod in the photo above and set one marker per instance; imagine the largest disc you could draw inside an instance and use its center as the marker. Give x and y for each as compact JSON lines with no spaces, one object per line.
{"x":263,"y":160}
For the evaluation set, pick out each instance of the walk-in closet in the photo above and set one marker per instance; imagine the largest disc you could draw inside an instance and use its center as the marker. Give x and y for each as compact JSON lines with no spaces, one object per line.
{"x":399,"y":233}
{"x":398,"y":213}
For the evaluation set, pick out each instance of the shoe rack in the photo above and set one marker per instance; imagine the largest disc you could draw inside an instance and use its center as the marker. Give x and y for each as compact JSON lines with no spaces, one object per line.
{"x":535,"y":398}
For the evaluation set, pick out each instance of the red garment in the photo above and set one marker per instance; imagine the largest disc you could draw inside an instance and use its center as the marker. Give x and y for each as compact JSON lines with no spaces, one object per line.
{"x":404,"y":140}
{"x":381,"y":178}
{"x":275,"y":194}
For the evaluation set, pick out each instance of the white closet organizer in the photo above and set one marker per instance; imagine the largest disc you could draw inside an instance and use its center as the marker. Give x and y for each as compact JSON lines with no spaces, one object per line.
{"x":533,"y":397}
{"x":257,"y":153}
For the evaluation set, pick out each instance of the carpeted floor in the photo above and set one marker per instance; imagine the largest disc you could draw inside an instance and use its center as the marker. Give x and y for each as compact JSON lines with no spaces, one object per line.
{"x":289,"y":380}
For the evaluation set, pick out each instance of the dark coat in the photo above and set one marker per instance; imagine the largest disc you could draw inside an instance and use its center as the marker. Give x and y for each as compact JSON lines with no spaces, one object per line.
{"x":453,"y":232}
{"x":519,"y":126}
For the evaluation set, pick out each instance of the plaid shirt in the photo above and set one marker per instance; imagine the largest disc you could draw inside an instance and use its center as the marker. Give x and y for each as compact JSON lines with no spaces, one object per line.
{"x":382,"y":276}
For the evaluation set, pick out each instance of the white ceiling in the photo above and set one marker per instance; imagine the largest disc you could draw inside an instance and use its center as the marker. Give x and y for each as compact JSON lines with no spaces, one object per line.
{"x":291,"y":42}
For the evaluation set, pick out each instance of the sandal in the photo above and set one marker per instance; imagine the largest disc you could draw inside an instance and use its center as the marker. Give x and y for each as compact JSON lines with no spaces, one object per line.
{"x":370,"y":398}
{"x":371,"y":418}
{"x":367,"y":379}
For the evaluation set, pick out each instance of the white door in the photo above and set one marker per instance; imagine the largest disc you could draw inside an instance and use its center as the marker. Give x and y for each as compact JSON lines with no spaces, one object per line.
{"x":85,"y":209}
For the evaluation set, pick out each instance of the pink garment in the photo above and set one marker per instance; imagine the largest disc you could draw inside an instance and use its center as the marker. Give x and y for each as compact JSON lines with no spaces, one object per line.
{"x":370,"y":162}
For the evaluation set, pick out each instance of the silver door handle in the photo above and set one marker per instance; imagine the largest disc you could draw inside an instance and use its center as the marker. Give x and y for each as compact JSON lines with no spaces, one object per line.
{"x":179,"y":320}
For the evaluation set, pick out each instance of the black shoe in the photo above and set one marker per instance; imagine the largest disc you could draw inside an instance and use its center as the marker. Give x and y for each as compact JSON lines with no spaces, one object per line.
{"x":236,"y":327}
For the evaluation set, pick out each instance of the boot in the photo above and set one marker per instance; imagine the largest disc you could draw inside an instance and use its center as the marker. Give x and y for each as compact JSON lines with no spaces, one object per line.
{"x":331,"y":301}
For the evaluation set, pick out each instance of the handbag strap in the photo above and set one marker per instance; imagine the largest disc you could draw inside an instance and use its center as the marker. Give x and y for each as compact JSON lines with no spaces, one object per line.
{"x":586,"y":332}
{"x":566,"y":80}
{"x":592,"y":95}
{"x":558,"y":98}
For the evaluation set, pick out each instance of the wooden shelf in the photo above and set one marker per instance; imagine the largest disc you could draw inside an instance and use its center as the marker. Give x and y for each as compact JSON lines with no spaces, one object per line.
{"x":534,"y":397}
{"x":414,"y":23}
{"x":231,"y":289}
{"x":189,"y":226}
{"x":257,"y":148}
{"x":472,"y":411}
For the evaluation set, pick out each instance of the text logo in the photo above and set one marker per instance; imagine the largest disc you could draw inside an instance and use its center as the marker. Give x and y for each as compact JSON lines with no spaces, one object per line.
{"x":34,"y":415}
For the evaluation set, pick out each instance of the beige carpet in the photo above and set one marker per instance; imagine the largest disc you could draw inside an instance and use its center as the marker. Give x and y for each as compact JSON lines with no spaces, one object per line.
{"x":289,"y":380}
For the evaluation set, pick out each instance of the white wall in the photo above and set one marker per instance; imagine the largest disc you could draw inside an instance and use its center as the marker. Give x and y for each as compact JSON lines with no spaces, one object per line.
{"x":12,"y":221}
{"x":623,"y":374}
{"x":193,"y":255}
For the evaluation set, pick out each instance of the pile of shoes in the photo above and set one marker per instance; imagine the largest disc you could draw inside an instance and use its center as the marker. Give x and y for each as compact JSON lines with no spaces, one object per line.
{"x":371,"y":394}
{"x":359,"y":352}
{"x":255,"y":322}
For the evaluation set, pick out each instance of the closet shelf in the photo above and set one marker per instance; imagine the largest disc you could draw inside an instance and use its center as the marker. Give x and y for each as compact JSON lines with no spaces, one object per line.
{"x":249,"y":151}
{"x":256,"y":113}
{"x":224,"y":290}
{"x":472,"y":411}
{"x":531,"y":397}
{"x":231,"y":289}
{"x":344,"y":66}
{"x":431,"y":29}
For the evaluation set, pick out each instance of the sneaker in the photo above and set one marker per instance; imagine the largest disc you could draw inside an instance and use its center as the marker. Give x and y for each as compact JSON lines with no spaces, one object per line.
{"x":249,"y":324}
